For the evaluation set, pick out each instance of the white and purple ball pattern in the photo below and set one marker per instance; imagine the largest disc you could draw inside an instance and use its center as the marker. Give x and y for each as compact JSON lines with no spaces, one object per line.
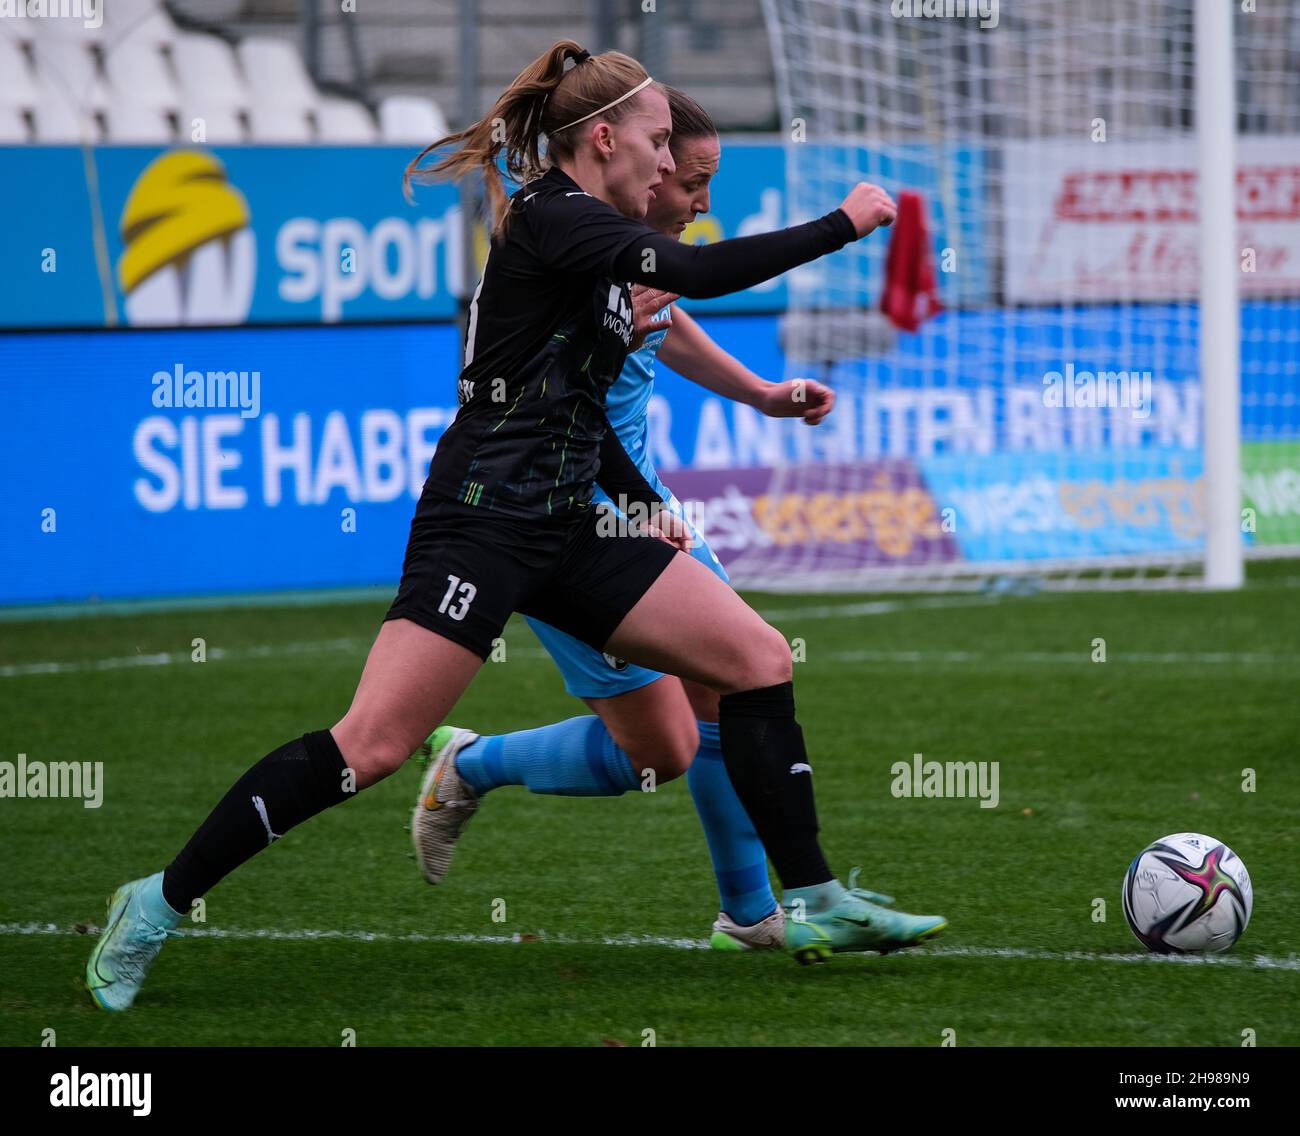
{"x":1187,"y":894}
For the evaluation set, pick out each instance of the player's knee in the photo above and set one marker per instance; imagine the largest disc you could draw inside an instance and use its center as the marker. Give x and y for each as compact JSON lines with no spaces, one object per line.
{"x":679,"y":750}
{"x":766,"y":662}
{"x":667,"y":755}
{"x":371,"y":753}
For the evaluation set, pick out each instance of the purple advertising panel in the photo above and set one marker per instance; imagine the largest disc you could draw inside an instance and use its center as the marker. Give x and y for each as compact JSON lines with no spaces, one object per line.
{"x":816,"y":518}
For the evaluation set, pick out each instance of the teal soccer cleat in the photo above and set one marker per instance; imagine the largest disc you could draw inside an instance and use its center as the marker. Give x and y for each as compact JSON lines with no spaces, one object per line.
{"x":860,"y":921}
{"x":125,"y":951}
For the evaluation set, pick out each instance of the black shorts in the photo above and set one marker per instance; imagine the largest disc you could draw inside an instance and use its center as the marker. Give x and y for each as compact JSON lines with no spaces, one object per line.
{"x":467,"y":569}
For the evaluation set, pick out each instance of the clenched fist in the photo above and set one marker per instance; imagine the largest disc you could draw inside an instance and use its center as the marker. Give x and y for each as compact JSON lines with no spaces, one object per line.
{"x":869,"y":207}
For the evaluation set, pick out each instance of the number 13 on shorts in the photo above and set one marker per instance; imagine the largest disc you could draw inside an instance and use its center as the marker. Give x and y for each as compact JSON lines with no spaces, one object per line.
{"x":457,"y":598}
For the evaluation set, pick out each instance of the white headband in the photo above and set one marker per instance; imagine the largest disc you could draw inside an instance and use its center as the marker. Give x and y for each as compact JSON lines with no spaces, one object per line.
{"x":641,"y":86}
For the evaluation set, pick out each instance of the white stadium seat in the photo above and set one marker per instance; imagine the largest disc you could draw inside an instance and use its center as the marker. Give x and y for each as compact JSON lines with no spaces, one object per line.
{"x":135,"y":124}
{"x":219,"y":11}
{"x":43,"y":29}
{"x":13,"y":126}
{"x":138,"y":21}
{"x":157,"y":80}
{"x":278,"y":125}
{"x":17,"y":85}
{"x":407,"y":118}
{"x":344,"y":121}
{"x":59,"y":122}
{"x":208,"y":73}
{"x":221,"y":125}
{"x":138,"y":74}
{"x":275,"y":73}
{"x":68,"y":65}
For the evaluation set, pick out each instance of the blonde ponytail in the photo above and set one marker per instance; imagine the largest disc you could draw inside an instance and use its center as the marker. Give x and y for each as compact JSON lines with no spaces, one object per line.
{"x":544,"y":100}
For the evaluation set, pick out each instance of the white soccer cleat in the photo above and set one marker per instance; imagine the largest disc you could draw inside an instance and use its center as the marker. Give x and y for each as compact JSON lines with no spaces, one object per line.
{"x":766,"y":935}
{"x":446,"y":802}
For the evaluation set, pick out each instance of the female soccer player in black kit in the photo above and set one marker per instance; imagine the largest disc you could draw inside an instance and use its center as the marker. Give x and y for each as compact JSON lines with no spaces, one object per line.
{"x":504,"y":522}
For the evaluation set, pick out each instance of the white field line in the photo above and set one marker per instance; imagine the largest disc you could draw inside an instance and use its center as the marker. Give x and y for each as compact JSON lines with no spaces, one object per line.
{"x":826,"y":611}
{"x":1254,"y":962}
{"x":1180,"y":658}
{"x":360,"y":646}
{"x":277,"y":650}
{"x":174,"y":658}
{"x":876,"y":607}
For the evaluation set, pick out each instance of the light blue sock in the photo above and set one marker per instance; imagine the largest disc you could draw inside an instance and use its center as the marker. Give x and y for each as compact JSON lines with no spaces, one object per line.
{"x":739,"y":859}
{"x":152,"y":905}
{"x":575,"y":758}
{"x":816,"y":897}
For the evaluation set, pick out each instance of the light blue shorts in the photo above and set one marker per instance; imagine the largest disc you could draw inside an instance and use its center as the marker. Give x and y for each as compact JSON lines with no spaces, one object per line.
{"x":587,"y":672}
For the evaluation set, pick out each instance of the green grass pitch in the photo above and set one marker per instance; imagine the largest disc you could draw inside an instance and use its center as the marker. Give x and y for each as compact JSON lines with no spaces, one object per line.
{"x":1096,"y":759}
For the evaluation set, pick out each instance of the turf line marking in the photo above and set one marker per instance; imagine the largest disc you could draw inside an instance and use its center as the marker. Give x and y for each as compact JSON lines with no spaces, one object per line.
{"x":78,"y":609}
{"x":232,"y":601}
{"x":876,"y":607}
{"x":173,"y":658}
{"x":1255,"y":962}
{"x":360,"y":645}
{"x":1179,"y":658}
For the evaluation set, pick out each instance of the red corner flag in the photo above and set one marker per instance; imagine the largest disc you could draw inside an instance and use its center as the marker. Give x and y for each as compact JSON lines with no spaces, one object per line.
{"x":911,"y":294}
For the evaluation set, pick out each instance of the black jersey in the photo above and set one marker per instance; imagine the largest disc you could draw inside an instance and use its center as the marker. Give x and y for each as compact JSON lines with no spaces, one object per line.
{"x":549,"y":329}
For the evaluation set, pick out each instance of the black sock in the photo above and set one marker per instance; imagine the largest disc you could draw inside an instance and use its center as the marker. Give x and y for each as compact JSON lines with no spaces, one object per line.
{"x":288,"y":786}
{"x":761,"y":743}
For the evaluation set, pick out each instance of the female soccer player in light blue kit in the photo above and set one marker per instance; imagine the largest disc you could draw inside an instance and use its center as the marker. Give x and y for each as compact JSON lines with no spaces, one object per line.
{"x":645,"y":723}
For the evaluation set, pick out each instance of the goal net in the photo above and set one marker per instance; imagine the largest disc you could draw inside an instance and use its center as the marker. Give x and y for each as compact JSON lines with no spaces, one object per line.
{"x":1047,"y":423}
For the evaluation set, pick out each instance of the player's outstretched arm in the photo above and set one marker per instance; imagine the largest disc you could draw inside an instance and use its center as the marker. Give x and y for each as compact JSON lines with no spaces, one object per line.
{"x":692,"y":353}
{"x":703,"y":271}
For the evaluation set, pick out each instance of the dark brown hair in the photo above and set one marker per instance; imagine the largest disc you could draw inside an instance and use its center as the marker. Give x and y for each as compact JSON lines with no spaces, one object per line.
{"x":542,"y":100}
{"x":690,"y":120}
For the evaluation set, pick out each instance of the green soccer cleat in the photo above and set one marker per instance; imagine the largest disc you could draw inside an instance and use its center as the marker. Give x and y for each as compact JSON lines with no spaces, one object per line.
{"x":446,"y":802}
{"x":860,"y":921}
{"x":126,"y":949}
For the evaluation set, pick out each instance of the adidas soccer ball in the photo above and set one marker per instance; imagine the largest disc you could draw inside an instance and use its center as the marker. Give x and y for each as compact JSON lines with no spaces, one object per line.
{"x":1187,"y":893}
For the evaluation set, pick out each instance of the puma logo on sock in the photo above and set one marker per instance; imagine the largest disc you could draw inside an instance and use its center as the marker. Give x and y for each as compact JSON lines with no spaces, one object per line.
{"x":801,"y":767}
{"x":260,"y":806}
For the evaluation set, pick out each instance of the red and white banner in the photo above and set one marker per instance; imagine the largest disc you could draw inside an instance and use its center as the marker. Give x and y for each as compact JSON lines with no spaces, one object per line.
{"x":1121,"y":221}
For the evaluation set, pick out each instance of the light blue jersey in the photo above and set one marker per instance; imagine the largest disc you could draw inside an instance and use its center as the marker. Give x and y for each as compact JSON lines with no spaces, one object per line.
{"x":587,"y":672}
{"x":628,"y":400}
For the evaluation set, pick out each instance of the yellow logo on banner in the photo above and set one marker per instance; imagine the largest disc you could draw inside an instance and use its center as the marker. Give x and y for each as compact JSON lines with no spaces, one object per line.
{"x":189,"y":256}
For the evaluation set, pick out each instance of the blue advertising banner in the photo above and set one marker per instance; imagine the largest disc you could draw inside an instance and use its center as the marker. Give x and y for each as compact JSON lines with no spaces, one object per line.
{"x":178,"y":462}
{"x":905,"y":405}
{"x":238,"y":234}
{"x":1045,"y":506}
{"x":280,"y":458}
{"x":194,"y":236}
